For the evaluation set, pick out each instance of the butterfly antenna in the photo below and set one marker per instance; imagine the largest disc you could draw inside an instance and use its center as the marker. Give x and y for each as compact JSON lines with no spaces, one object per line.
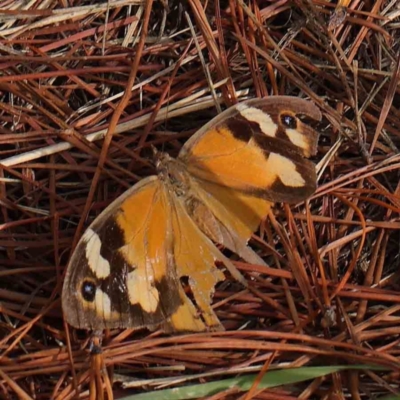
{"x":154,"y":150}
{"x":156,"y":154}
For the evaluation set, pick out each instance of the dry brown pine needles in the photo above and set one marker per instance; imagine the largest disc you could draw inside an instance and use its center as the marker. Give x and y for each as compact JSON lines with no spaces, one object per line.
{"x":72,"y":138}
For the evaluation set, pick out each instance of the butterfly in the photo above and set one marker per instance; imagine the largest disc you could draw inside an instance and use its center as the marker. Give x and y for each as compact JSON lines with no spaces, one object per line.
{"x":148,"y":260}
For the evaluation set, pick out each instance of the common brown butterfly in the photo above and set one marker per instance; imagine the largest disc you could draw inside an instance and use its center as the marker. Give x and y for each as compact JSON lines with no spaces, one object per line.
{"x":131,"y":265}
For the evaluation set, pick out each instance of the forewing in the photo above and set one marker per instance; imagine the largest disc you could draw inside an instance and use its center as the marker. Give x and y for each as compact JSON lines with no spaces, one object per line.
{"x":259,"y":148}
{"x":122,"y":272}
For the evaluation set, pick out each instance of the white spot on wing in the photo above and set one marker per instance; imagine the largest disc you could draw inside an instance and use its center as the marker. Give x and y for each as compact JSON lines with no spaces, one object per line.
{"x":102,"y":303}
{"x":286,"y":170}
{"x":267,"y":126}
{"x":297,"y":138}
{"x":141,"y":291}
{"x":98,"y":264}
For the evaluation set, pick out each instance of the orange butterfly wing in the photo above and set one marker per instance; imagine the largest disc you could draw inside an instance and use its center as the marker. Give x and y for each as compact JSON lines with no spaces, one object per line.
{"x":121,"y":274}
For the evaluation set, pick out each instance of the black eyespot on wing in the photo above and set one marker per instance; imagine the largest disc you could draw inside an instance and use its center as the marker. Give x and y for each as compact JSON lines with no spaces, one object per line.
{"x":88,"y":290}
{"x":289,"y":121}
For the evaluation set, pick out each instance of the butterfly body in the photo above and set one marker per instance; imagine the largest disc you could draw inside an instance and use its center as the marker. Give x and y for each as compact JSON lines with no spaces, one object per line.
{"x":173,"y":174}
{"x":149,"y":258}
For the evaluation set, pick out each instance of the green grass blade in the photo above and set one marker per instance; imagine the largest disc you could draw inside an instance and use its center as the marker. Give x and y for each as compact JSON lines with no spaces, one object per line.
{"x":244,"y":383}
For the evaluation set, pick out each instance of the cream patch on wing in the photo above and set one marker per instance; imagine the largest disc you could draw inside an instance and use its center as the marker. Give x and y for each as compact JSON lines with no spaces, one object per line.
{"x":102,"y":304}
{"x":286,"y":170}
{"x":141,"y":290}
{"x":297,"y":139}
{"x":267,"y":126}
{"x":97,"y":263}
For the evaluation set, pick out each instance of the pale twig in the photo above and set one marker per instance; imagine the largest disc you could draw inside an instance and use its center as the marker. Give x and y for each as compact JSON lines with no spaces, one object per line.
{"x":173,"y":110}
{"x":60,"y":15}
